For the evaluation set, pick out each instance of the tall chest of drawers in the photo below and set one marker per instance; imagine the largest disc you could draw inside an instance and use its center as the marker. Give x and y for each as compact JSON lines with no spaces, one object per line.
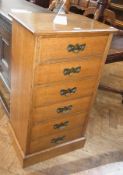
{"x":55,"y":72}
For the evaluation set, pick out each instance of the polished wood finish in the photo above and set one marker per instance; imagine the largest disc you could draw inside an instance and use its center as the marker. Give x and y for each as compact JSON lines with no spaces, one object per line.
{"x":71,"y":28}
{"x":57,"y":125}
{"x":43,"y":143}
{"x":51,"y":94}
{"x":61,"y":50}
{"x":67,"y":70}
{"x":53,"y":151}
{"x":60,"y":110}
{"x":39,"y":133}
{"x":20,"y":88}
{"x":105,"y":128}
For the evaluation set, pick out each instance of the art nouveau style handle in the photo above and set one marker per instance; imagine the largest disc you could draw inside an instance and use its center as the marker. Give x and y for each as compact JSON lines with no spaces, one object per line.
{"x":69,"y":91}
{"x":76,"y":48}
{"x":61,"y":125}
{"x":64,"y":109}
{"x":58,"y":140}
{"x":73,"y":70}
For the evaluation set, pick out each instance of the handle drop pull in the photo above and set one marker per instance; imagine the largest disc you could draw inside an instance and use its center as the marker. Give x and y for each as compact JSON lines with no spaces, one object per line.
{"x":64,"y":109}
{"x":76,"y":48}
{"x":61,"y":125}
{"x":69,"y":91}
{"x":58,"y":140}
{"x":73,"y":70}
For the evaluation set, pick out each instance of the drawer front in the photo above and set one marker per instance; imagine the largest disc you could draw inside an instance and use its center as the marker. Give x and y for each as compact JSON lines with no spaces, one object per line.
{"x":4,"y":95}
{"x":5,"y":29}
{"x":71,"y":47}
{"x":60,"y":110}
{"x":54,"y":140}
{"x":67,"y":70}
{"x":47,"y":95}
{"x":5,"y":54}
{"x":5,"y":48}
{"x":57,"y":125}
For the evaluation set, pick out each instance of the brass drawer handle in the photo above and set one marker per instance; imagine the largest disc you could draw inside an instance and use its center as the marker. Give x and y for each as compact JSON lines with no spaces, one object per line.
{"x":61,"y":125}
{"x":58,"y":140}
{"x":64,"y":109}
{"x":69,"y":91}
{"x":73,"y":70}
{"x":76,"y":48}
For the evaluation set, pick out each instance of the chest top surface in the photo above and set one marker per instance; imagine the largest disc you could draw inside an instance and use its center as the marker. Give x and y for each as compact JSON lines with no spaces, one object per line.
{"x":50,"y":24}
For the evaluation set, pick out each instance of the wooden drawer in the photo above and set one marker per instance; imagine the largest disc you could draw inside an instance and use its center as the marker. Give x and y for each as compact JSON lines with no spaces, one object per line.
{"x":61,"y":48}
{"x":48,"y":73}
{"x":57,"y":125}
{"x":5,"y":48}
{"x":5,"y":54}
{"x":46,"y":95}
{"x":60,"y":110}
{"x":5,"y":29}
{"x":55,"y":139}
{"x":4,"y":95}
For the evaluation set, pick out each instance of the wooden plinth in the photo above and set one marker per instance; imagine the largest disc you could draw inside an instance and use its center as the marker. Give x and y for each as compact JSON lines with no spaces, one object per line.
{"x":31,"y":159}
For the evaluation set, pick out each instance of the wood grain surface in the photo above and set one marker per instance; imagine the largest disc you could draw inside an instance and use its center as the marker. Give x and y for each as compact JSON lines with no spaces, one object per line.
{"x":104,"y":131}
{"x":58,"y":125}
{"x":69,"y":108}
{"x":50,"y":94}
{"x":34,"y":22}
{"x":51,"y":49}
{"x":87,"y":67}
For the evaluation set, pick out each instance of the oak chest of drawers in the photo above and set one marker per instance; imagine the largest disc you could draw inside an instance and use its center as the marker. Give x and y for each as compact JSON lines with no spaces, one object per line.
{"x":55,"y":72}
